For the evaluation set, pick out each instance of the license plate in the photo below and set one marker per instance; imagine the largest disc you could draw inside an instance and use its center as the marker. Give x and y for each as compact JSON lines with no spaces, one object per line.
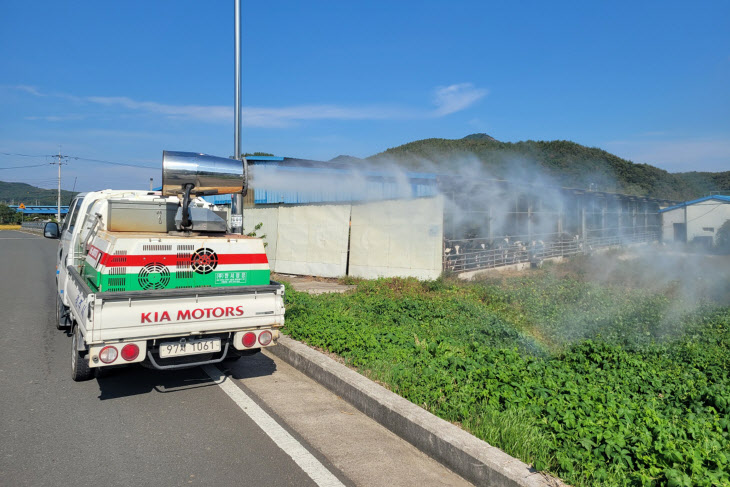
{"x":190,"y":347}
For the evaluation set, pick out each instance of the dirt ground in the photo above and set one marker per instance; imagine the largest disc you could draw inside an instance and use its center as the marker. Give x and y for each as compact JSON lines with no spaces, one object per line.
{"x":313,"y":284}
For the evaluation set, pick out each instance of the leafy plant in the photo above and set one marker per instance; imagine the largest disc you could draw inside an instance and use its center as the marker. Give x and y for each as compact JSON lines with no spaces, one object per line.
{"x":252,"y":233}
{"x":598,"y":383}
{"x":723,"y":237}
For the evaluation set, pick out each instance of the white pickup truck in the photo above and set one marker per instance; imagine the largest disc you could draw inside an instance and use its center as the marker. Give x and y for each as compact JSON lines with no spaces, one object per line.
{"x":135,"y":288}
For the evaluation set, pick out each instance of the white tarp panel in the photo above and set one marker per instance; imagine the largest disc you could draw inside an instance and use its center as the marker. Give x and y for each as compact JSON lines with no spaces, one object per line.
{"x":397,"y":238}
{"x":312,"y":240}
{"x":269,"y":217}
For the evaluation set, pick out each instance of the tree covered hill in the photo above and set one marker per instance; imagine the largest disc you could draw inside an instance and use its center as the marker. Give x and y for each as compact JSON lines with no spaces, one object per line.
{"x":559,"y":161}
{"x":16,"y":193}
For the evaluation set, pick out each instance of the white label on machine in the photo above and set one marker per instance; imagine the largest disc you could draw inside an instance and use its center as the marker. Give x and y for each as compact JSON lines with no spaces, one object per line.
{"x":230,"y":278}
{"x":190,"y":347}
{"x":236,"y":220}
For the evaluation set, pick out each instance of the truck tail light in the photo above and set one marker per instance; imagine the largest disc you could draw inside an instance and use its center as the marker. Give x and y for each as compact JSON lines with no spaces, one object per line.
{"x":108,"y":354}
{"x":265,"y":338}
{"x":130,"y":352}
{"x":249,"y":339}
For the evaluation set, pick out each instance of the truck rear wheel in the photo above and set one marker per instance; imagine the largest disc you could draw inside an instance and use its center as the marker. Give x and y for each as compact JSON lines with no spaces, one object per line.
{"x":62,"y":318}
{"x":80,"y":370}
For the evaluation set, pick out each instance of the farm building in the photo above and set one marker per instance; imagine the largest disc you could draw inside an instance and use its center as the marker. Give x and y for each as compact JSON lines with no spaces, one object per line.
{"x":695,"y":221}
{"x":332,"y":219}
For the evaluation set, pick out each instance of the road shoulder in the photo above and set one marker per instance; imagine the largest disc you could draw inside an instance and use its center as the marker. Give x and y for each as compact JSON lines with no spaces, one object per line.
{"x":363,"y":450}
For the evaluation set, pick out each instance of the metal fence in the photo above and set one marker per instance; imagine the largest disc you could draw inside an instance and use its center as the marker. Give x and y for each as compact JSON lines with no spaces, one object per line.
{"x":33,"y":226}
{"x":481,"y":253}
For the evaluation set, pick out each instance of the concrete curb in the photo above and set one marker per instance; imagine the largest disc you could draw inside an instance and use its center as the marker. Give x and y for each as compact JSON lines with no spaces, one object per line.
{"x":468,"y":456}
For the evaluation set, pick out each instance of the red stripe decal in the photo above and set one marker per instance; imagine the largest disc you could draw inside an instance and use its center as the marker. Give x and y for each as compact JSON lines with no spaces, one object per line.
{"x":171,"y":259}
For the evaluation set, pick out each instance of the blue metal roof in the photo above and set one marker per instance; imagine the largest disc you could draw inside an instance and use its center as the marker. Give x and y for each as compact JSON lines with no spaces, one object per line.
{"x":218,"y":199}
{"x":263,"y":158}
{"x":718,"y":197}
{"x":39,"y":209}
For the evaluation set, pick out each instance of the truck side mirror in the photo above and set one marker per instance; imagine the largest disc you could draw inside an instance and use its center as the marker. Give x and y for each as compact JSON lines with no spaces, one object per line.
{"x":50,"y":230}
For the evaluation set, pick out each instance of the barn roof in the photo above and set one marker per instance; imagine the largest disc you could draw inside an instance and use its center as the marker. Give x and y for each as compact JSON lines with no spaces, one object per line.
{"x":718,"y":197}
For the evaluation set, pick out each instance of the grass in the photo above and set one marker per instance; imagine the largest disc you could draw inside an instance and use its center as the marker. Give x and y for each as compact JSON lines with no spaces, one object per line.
{"x":515,"y":431}
{"x":617,"y":377}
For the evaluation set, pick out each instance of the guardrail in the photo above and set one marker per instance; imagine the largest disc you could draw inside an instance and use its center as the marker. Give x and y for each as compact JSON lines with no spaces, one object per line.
{"x":39,"y":225}
{"x":35,"y":227}
{"x":474,"y":254}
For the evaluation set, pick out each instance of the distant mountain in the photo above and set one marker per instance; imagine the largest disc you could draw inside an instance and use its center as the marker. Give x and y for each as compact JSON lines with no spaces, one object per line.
{"x":559,"y":162}
{"x":16,"y":193}
{"x":480,"y":137}
{"x":345,"y":159}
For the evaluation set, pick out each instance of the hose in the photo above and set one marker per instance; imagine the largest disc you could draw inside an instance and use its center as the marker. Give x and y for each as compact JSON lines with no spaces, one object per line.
{"x":186,"y":223}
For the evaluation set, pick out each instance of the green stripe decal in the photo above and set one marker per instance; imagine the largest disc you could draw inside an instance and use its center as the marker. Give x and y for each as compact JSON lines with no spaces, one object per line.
{"x":175,"y":280}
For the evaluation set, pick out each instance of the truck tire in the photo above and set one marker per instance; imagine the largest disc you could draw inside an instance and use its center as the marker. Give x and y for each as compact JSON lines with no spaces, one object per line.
{"x":62,"y":318}
{"x":80,"y":370}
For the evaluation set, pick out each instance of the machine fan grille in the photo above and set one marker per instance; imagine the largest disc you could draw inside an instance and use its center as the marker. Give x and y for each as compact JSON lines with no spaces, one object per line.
{"x":154,"y":276}
{"x":204,"y":261}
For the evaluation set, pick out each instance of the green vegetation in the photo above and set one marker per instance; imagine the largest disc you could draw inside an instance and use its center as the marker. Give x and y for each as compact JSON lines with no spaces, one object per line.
{"x":610,"y":382}
{"x":25,"y":193}
{"x":567,"y":163}
{"x":8,"y":215}
{"x":256,"y":229}
{"x":723,"y":237}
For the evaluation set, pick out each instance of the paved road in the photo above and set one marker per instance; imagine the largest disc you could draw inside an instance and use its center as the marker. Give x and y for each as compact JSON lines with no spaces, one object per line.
{"x":142,"y":427}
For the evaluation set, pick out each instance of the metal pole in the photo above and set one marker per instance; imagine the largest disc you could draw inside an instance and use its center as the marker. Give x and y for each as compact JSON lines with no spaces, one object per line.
{"x":583,"y":228}
{"x":58,"y":219}
{"x":237,"y":199}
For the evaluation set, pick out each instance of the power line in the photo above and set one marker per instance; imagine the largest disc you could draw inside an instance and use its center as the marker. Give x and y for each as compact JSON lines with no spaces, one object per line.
{"x":36,"y":181}
{"x":22,"y":167}
{"x":26,"y":155}
{"x":112,"y":162}
{"x":78,"y":158}
{"x":698,"y":217}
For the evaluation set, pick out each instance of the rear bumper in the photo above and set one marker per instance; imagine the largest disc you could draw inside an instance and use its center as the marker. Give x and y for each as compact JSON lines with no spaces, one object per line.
{"x":231,"y":343}
{"x":157,"y":366}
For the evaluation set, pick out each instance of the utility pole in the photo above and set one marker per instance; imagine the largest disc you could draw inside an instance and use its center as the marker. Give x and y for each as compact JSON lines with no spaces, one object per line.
{"x":60,"y":162}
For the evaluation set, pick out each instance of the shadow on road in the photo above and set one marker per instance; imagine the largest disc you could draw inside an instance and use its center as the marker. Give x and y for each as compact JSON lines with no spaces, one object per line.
{"x":257,"y":365}
{"x":134,"y":380}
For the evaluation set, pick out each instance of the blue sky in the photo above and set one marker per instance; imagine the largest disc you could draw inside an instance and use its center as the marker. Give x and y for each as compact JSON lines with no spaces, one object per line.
{"x":121,"y":81}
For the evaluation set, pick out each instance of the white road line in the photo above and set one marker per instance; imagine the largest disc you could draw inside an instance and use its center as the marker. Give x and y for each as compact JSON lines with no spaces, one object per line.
{"x":32,"y":235}
{"x":281,"y":437}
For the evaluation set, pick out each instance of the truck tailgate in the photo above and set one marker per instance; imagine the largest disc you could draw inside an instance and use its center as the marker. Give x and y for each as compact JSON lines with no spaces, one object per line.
{"x":147,"y":317}
{"x":176,"y":312}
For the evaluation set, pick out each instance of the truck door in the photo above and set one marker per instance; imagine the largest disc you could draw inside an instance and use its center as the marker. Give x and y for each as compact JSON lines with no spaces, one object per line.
{"x":64,"y":247}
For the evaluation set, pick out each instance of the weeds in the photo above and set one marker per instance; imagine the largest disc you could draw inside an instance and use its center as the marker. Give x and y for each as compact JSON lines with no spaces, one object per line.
{"x":598,"y":383}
